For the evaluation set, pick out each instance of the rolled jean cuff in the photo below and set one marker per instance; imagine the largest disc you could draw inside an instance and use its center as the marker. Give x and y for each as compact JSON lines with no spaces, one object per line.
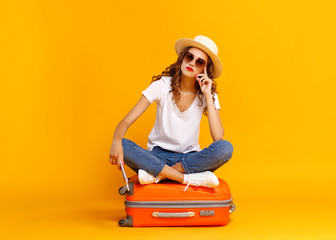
{"x":155,"y":167}
{"x":158,"y":170}
{"x":185,"y":167}
{"x":137,"y":158}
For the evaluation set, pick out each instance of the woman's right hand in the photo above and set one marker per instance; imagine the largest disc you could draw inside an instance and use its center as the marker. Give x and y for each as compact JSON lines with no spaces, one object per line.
{"x":117,"y":154}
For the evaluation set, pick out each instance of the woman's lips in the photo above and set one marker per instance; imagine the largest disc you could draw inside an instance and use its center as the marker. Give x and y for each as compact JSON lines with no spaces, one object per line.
{"x":189,"y":69}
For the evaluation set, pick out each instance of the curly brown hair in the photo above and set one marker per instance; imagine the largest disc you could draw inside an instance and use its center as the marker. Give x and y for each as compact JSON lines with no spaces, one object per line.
{"x":174,"y":71}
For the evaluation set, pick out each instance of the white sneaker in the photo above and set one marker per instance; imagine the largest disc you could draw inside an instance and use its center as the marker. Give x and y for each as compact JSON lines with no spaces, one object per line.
{"x":146,"y":178}
{"x":205,"y":179}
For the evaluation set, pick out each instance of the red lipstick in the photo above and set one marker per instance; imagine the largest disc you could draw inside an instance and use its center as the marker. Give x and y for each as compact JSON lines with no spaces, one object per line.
{"x":189,"y":69}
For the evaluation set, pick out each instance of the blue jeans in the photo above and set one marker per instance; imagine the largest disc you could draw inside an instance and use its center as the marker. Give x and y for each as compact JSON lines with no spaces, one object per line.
{"x":208,"y":159}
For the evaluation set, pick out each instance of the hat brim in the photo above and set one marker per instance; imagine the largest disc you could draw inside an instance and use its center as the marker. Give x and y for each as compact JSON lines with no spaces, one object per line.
{"x":180,"y":44}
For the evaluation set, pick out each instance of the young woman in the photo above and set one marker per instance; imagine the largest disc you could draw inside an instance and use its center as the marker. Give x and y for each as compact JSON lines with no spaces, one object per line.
{"x":183,"y":92}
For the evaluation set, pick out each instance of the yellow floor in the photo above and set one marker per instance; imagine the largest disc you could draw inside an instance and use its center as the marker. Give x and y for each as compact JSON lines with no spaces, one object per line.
{"x":56,"y":217}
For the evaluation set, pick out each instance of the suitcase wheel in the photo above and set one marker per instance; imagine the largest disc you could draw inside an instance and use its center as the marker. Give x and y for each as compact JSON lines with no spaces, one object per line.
{"x":123,"y":190}
{"x":123,"y":223}
{"x":126,"y":222}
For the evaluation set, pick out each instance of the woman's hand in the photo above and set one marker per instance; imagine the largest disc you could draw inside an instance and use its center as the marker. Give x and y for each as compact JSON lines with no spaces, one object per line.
{"x":205,"y":82}
{"x":117,"y":154}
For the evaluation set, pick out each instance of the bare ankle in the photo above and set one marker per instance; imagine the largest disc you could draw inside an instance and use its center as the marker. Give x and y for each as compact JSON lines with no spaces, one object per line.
{"x":171,"y":173}
{"x":178,"y":167}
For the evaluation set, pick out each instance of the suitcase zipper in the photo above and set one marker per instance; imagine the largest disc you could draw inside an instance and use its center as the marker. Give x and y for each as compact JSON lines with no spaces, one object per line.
{"x":178,"y":204}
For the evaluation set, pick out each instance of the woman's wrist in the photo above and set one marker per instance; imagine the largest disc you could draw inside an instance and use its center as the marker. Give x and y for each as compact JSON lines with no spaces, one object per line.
{"x":208,"y":96}
{"x":116,"y":140}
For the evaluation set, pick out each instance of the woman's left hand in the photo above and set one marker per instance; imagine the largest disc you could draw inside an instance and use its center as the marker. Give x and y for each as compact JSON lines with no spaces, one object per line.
{"x":204,"y":81}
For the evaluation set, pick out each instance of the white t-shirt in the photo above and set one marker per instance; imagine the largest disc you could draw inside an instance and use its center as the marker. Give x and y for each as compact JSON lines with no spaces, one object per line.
{"x":174,"y":130}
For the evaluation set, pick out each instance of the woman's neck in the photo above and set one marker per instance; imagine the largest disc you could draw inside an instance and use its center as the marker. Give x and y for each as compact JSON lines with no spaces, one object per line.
{"x":187,"y":84}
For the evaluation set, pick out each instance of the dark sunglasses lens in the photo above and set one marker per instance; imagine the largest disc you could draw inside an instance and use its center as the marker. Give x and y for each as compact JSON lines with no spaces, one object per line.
{"x":200,"y":63}
{"x":189,"y":57}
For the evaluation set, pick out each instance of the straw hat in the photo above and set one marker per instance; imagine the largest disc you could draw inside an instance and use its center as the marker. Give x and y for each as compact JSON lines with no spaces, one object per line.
{"x":207,"y":45}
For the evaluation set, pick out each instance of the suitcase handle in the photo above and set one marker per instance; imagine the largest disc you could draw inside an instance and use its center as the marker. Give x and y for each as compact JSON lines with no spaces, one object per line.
{"x":173,"y":215}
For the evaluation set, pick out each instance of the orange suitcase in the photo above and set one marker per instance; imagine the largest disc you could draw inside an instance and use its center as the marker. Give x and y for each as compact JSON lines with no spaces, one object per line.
{"x":165,"y":204}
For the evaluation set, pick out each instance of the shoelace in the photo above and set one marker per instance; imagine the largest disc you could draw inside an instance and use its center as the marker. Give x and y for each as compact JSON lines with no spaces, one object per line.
{"x":157,"y":180}
{"x":196,"y":182}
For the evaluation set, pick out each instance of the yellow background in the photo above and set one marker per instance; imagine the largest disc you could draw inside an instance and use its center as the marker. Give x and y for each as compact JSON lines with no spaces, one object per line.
{"x":71,"y":70}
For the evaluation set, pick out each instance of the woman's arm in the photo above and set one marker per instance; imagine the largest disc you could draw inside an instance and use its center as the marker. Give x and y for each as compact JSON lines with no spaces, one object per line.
{"x":215,"y":124}
{"x":116,"y":151}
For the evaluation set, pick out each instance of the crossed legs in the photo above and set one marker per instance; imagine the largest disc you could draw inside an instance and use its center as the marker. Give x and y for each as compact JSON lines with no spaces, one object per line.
{"x":160,"y":162}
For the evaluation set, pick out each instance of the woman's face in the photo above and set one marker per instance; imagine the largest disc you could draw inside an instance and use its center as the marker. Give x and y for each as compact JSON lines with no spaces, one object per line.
{"x":193,"y":67}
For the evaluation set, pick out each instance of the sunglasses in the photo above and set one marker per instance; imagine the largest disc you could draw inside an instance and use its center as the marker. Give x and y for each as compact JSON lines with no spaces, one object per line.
{"x":200,"y":62}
